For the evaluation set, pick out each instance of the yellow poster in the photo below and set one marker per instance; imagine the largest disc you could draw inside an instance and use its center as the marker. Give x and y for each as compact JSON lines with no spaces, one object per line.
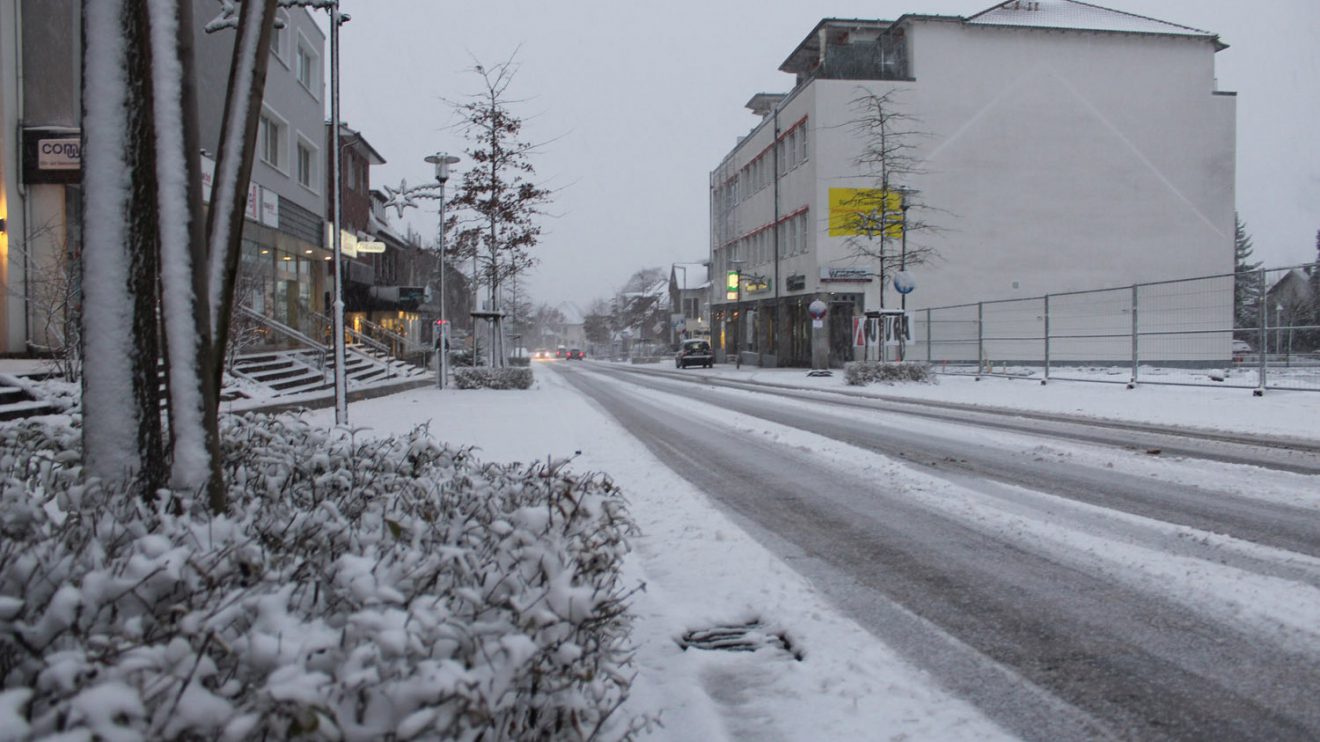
{"x":862,"y":212}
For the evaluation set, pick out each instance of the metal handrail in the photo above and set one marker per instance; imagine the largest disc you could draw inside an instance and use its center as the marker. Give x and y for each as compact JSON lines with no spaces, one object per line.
{"x":406,"y":345}
{"x":285,"y":330}
{"x":359,"y":337}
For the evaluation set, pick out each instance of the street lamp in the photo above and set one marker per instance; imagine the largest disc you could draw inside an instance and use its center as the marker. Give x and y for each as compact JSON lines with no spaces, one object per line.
{"x":442,"y":161}
{"x":682,"y":302}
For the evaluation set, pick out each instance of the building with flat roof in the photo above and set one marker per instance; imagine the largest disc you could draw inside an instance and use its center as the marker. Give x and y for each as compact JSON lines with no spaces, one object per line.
{"x":1055,"y":145}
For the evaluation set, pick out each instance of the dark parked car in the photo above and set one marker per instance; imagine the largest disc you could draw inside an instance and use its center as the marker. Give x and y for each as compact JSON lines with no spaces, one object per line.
{"x":694,"y":353}
{"x":576,"y":354}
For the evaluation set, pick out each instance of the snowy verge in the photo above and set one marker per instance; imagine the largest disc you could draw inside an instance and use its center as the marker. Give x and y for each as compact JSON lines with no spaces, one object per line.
{"x":357,"y":589}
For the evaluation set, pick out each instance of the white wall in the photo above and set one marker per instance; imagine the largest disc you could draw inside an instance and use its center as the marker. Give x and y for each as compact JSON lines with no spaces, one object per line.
{"x":1065,"y":160}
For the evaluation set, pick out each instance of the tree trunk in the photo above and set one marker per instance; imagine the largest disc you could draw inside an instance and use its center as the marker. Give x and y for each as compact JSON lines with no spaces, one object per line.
{"x":122,"y":439}
{"x":193,"y":394}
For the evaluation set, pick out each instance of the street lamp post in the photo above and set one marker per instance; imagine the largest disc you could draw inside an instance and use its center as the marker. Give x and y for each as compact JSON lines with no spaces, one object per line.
{"x":336,"y":176}
{"x":442,"y":161}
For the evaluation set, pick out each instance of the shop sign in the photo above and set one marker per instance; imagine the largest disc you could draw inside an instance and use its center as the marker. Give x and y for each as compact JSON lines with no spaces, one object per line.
{"x":59,"y":154}
{"x":796,"y":282}
{"x":51,"y":154}
{"x":270,"y":208}
{"x":845,"y":274}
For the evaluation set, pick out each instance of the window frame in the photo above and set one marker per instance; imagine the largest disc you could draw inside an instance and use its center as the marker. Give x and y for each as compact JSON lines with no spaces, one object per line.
{"x":281,"y":124}
{"x":303,"y":144}
{"x":303,"y":48}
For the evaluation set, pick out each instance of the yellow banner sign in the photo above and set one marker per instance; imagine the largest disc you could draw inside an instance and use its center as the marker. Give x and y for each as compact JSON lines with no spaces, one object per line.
{"x":866,"y":212}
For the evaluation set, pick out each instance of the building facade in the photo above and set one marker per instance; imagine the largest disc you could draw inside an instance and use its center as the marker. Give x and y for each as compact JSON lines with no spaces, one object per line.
{"x":689,"y":300}
{"x":286,"y":264}
{"x":1058,"y":146}
{"x":284,"y":271}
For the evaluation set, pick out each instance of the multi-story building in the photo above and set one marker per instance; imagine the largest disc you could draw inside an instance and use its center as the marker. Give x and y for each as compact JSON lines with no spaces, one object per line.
{"x":286,"y":269}
{"x":1058,"y":146}
{"x":284,"y":273}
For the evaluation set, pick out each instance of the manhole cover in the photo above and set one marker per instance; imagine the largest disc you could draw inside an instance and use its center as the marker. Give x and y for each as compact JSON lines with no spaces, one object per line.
{"x":747,"y":637}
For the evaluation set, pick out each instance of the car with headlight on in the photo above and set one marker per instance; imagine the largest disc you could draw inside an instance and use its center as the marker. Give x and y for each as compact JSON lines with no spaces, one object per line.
{"x":694,"y":352}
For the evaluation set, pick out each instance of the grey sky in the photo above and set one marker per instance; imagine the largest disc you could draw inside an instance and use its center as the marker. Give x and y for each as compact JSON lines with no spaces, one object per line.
{"x":638,"y":102}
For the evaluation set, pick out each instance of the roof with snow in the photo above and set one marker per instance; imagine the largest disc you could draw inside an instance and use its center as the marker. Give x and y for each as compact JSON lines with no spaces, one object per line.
{"x":689,"y":276}
{"x":1074,"y":14}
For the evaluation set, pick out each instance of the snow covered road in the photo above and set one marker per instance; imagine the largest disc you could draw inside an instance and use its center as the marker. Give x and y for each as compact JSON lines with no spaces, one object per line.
{"x":1068,"y":590}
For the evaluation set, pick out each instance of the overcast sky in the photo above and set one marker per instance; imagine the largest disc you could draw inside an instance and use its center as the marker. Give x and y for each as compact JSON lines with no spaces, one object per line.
{"x":637,"y":102}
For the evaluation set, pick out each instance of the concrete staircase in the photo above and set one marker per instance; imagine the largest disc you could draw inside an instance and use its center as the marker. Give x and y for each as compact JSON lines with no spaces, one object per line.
{"x":17,"y":401}
{"x":284,"y":373}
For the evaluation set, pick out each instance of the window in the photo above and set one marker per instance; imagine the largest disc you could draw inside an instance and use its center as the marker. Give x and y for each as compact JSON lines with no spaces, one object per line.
{"x":305,"y":67}
{"x":278,"y":34}
{"x":802,"y":143}
{"x":306,"y":166}
{"x":272,"y":141}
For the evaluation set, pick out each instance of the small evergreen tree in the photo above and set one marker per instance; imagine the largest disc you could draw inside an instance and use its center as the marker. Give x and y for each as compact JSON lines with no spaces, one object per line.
{"x":1248,"y":288}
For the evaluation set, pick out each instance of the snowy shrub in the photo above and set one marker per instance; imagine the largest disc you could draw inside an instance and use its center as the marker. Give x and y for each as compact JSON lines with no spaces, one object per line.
{"x":861,"y":373}
{"x":517,"y":361}
{"x":480,"y":377}
{"x":357,"y":589}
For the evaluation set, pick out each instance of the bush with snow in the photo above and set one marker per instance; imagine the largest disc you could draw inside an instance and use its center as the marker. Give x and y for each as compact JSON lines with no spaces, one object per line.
{"x":861,"y":373}
{"x":482,"y":377}
{"x":357,"y":589}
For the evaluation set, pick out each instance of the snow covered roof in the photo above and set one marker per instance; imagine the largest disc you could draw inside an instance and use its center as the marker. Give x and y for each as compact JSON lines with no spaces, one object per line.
{"x":688,"y":276}
{"x":1075,"y":14}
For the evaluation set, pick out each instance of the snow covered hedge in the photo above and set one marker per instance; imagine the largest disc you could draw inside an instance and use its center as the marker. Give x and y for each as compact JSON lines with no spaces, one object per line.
{"x":358,"y":589}
{"x":861,"y":373}
{"x":481,"y":377}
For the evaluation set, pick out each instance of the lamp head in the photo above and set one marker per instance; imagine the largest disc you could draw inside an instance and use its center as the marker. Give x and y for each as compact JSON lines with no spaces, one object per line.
{"x":442,"y":161}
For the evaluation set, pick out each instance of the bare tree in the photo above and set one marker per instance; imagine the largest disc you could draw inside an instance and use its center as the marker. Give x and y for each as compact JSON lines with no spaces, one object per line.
{"x":51,"y":291}
{"x":880,"y":217}
{"x":495,"y":210}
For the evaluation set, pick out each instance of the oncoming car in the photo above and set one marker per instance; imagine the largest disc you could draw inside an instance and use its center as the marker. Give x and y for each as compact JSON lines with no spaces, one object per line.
{"x":694,"y":352}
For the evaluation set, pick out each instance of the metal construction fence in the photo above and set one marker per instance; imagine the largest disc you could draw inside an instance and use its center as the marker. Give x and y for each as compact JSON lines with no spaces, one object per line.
{"x":1256,"y":330}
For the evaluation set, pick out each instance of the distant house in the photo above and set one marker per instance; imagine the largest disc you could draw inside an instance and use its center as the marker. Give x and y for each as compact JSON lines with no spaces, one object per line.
{"x":689,"y":296}
{"x":571,"y":332}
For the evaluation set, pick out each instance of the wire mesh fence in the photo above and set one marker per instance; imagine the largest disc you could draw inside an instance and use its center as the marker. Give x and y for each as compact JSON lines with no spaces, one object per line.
{"x":1256,"y":330}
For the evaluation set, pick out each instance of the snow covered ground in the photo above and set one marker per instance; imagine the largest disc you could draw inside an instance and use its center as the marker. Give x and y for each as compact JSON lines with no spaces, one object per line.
{"x":701,"y":570}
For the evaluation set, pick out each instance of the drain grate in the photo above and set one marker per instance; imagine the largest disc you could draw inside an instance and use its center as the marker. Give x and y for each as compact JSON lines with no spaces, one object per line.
{"x":747,"y":637}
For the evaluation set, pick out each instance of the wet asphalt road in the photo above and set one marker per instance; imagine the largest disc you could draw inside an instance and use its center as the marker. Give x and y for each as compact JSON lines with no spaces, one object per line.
{"x":1049,"y":645}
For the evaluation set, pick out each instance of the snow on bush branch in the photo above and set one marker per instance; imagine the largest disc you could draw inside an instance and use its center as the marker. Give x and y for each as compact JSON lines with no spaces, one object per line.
{"x":861,"y":373}
{"x":357,"y":589}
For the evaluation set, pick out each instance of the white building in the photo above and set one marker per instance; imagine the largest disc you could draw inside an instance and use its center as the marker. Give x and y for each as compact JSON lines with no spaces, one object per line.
{"x":1062,"y":146}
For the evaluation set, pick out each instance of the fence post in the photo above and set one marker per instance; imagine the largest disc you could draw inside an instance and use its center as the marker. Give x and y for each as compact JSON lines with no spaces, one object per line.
{"x":980,"y":338}
{"x":1135,"y":357}
{"x":1263,"y":340}
{"x":1047,"y":340}
{"x":929,"y":354}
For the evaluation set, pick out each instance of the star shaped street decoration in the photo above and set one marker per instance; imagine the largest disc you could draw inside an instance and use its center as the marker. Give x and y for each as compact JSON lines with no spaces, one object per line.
{"x":404,"y":197}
